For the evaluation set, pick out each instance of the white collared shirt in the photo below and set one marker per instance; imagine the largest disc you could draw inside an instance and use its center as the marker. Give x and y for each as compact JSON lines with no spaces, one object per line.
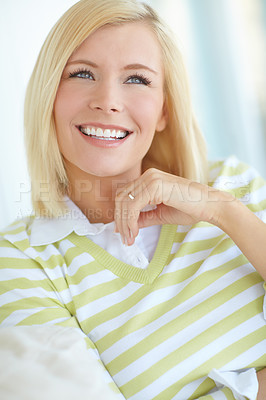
{"x":49,"y":230}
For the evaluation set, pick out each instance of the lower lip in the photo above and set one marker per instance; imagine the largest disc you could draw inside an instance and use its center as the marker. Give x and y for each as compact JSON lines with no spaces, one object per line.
{"x":103,"y":143}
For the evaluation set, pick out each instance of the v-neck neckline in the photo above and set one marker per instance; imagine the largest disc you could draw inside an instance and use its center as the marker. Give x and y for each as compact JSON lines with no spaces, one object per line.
{"x":127,"y":271}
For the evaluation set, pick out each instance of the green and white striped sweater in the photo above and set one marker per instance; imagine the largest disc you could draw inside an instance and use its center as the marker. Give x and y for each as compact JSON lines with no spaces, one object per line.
{"x":159,"y":331}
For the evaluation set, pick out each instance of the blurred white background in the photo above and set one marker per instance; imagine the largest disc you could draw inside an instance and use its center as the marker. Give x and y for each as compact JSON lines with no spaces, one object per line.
{"x":224,"y":45}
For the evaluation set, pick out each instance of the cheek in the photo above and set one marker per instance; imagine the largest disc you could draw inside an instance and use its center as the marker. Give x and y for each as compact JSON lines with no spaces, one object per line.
{"x":147,"y":110}
{"x":66,"y":103}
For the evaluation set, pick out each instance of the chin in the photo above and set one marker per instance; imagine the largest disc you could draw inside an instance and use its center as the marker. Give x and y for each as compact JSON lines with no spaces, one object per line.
{"x":104,"y":172}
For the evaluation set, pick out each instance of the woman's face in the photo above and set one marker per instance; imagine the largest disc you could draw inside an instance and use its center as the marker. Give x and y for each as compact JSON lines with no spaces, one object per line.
{"x":110,"y":101}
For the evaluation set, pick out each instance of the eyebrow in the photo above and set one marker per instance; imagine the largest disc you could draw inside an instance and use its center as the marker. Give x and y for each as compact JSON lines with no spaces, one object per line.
{"x":127,"y":67}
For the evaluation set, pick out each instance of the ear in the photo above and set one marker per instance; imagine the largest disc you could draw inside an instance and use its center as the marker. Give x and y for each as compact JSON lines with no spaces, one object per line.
{"x":162,"y":121}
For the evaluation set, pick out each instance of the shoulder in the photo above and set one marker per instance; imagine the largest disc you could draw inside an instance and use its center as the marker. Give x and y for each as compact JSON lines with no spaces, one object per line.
{"x":14,"y":241}
{"x":241,"y":180}
{"x":231,"y":167}
{"x":16,"y":233}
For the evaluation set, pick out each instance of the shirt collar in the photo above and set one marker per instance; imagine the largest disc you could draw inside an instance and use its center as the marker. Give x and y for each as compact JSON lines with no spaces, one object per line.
{"x":49,"y":230}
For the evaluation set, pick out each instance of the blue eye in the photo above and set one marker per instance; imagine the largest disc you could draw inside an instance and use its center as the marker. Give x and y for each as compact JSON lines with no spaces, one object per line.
{"x":81,"y":73}
{"x":138,"y":79}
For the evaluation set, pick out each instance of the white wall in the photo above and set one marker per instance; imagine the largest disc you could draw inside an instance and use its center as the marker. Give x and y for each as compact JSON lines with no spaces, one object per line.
{"x":225,"y":46}
{"x":24,"y":25}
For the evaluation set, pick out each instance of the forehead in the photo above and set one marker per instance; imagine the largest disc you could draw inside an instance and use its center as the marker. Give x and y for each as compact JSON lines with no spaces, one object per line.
{"x":131,"y":42}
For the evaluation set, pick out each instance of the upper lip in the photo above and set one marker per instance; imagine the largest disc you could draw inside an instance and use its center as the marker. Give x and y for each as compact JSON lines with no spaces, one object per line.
{"x":103,"y":126}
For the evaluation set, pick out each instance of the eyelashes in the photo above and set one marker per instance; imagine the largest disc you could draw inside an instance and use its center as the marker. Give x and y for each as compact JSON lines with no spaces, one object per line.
{"x":140,"y":78}
{"x":137,"y":78}
{"x":81,"y":73}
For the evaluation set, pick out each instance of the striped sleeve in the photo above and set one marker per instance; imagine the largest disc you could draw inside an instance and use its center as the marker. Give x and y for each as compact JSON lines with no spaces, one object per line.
{"x":27,"y":296}
{"x":223,"y":394}
{"x":245,"y":183}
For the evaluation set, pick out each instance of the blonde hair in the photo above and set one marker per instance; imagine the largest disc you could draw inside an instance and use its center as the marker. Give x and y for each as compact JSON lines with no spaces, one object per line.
{"x":179,"y":149}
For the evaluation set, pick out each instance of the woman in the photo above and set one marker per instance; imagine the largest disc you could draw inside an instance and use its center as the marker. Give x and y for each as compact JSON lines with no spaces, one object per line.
{"x":114,"y":154}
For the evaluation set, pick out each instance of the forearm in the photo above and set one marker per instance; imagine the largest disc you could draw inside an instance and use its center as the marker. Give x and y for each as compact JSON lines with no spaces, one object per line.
{"x":246,"y":230}
{"x":261,"y":375}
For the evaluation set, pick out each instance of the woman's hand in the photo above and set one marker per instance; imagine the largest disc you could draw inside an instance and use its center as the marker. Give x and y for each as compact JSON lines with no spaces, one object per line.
{"x":181,"y":201}
{"x":177,"y":200}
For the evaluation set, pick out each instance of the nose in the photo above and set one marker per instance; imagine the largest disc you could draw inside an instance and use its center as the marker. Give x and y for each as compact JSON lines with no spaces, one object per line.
{"x":107,"y":98}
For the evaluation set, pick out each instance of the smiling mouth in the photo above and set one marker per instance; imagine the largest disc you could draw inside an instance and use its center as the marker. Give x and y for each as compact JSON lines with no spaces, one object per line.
{"x":104,"y":134}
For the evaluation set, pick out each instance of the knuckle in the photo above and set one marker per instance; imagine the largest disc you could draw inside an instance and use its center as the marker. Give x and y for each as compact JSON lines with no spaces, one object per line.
{"x":151,"y":172}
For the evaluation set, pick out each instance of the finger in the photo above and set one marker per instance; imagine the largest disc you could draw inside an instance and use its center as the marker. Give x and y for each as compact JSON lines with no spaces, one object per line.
{"x":132,"y":225}
{"x":118,"y":215}
{"x":125,"y":231}
{"x":126,"y":216}
{"x":131,"y":199}
{"x":140,"y":199}
{"x":129,"y":218}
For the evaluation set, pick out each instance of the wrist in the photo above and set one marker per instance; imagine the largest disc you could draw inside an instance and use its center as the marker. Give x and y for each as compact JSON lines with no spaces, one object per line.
{"x":226,"y":210}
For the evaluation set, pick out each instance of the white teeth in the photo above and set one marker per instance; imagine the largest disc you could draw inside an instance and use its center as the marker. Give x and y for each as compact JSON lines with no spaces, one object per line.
{"x":104,"y":133}
{"x":121,"y":134}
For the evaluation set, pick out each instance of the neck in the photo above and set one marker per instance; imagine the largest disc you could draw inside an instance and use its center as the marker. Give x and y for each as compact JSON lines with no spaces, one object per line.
{"x":94,"y":195}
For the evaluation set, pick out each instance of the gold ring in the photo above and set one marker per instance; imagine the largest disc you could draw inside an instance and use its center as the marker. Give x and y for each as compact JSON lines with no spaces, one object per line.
{"x":130,"y":195}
